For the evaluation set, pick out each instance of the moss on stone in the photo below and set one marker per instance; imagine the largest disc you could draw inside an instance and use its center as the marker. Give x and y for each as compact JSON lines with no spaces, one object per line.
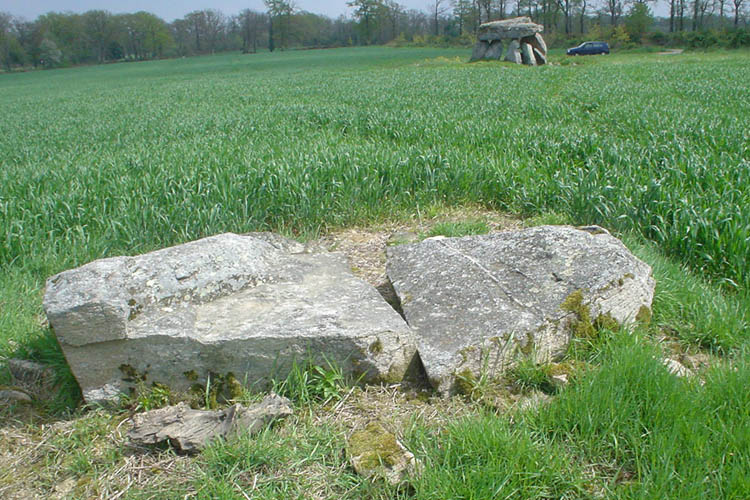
{"x":232,"y":386}
{"x":606,"y":322}
{"x":376,"y":347}
{"x":644,"y":315}
{"x":581,"y":326}
{"x":527,"y":349}
{"x":373,"y":446}
{"x":465,"y":383}
{"x":131,"y":374}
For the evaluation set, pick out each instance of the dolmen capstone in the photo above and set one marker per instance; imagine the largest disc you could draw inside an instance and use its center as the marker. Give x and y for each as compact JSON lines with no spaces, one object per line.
{"x":479,"y":304}
{"x":526,"y":43}
{"x":227,"y":304}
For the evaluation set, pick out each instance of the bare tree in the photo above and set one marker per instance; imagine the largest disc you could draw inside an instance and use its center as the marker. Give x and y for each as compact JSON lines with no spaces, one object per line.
{"x":215,"y":23}
{"x":737,"y":7}
{"x":437,"y":9}
{"x":614,"y":8}
{"x":250,"y":24}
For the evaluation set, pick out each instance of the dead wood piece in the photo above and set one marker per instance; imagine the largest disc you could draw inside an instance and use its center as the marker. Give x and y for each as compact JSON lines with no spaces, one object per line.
{"x":190,"y":430}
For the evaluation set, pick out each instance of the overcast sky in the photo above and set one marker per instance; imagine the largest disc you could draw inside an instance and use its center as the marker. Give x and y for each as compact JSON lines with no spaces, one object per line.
{"x":169,"y":11}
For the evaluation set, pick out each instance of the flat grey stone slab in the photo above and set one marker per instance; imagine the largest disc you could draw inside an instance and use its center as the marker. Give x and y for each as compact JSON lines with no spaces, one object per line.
{"x":517,"y":27}
{"x":224,"y":304}
{"x":480,"y":303}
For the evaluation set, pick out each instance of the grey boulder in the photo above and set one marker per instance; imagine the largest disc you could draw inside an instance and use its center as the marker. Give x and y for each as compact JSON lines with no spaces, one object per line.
{"x":514,"y":54}
{"x":540,"y":58}
{"x":480,"y":49}
{"x":478,"y":304}
{"x":495,"y":51}
{"x":527,"y":54}
{"x":226,"y":304}
{"x":537,"y":42}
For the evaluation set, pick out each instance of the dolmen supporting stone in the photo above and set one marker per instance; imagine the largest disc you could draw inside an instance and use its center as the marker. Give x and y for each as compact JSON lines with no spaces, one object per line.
{"x":526,"y":43}
{"x":479,"y":304}
{"x":226,"y":304}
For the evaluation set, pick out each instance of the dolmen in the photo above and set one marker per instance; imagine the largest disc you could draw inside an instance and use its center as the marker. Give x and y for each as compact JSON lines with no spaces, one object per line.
{"x":526,"y":44}
{"x":250,"y":306}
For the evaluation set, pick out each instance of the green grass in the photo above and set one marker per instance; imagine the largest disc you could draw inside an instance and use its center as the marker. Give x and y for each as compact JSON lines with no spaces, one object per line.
{"x":122,"y":159}
{"x":460,"y":228}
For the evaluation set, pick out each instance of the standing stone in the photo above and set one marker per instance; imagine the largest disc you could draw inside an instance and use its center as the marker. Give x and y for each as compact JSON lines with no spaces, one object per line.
{"x":480,"y":49}
{"x":222,"y":305}
{"x":495,"y":51}
{"x":540,"y":58}
{"x":527,"y":54}
{"x":537,"y":42}
{"x":514,"y":54}
{"x":478,"y":304}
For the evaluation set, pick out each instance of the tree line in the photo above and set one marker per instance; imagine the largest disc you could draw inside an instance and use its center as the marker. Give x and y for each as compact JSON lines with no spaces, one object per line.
{"x":97,"y":36}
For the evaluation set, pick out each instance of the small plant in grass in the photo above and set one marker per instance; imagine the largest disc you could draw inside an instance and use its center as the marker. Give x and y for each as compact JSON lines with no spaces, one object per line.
{"x":146,"y":397}
{"x":459,"y":228}
{"x":308,"y":382}
{"x":527,"y":375}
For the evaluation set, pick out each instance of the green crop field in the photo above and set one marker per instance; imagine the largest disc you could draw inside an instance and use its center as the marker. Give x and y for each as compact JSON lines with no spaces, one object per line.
{"x":126,"y":158}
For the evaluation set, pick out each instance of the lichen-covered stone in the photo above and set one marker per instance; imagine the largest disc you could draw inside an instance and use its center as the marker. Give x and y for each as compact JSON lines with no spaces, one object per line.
{"x":224,"y":304}
{"x":480,"y":303}
{"x":373,"y":451}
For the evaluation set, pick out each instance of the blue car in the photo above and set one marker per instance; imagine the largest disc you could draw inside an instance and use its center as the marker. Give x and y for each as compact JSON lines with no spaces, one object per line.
{"x":589,"y":48}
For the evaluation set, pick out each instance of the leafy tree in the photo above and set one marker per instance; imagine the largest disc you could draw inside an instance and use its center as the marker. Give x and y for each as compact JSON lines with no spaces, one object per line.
{"x":50,"y":55}
{"x":99,"y":32}
{"x":280,"y":14}
{"x":365,"y":11}
{"x":638,"y":21}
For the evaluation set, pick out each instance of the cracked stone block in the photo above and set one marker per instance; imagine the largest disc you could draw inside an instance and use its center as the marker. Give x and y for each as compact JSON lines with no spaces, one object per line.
{"x":478,"y":304}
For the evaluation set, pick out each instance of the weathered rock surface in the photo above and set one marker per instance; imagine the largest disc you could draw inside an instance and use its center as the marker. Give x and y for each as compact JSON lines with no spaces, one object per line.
{"x":479,"y":303}
{"x":527,"y":54}
{"x":36,"y":379}
{"x":191,"y":430}
{"x":540,"y":58}
{"x":537,"y":42}
{"x":480,"y":49}
{"x":373,"y":451}
{"x":224,"y":304}
{"x":514,"y":53}
{"x":517,"y":27}
{"x":495,"y":51}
